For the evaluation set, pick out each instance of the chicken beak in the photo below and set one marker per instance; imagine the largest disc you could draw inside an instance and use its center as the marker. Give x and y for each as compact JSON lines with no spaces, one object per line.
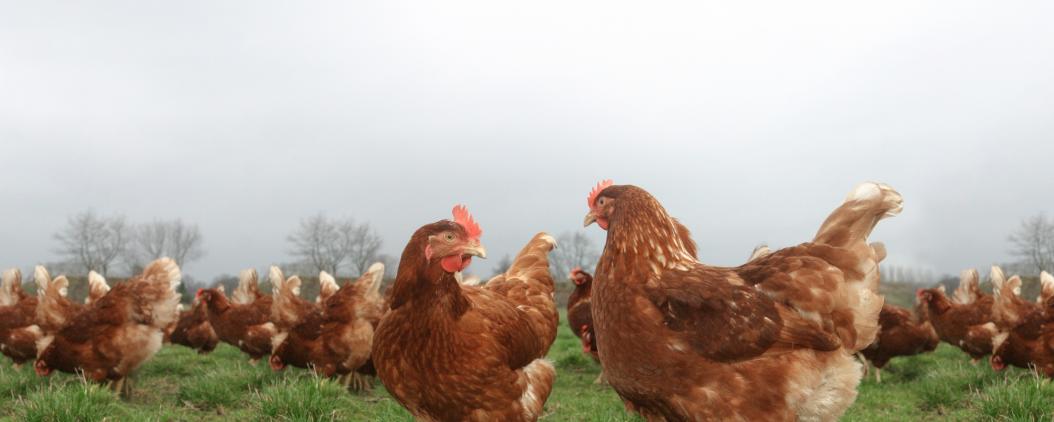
{"x":475,"y":250}
{"x":590,"y":219}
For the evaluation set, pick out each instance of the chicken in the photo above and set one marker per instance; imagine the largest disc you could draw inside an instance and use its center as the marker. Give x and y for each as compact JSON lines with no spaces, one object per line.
{"x":340,"y":340}
{"x":193,"y":329}
{"x":452,"y":352}
{"x":900,"y":334}
{"x":298,"y":323}
{"x":1026,"y":332}
{"x":18,"y":331}
{"x":1017,"y":348}
{"x":772,"y":339}
{"x":117,"y":332}
{"x":968,"y":327}
{"x":245,"y":326}
{"x":580,"y":314}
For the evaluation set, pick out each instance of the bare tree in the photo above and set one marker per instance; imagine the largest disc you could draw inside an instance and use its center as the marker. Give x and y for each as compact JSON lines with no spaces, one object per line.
{"x":329,"y":245}
{"x":1033,"y":243}
{"x":363,"y":245}
{"x":574,"y":250}
{"x":174,"y":239}
{"x":93,"y":243}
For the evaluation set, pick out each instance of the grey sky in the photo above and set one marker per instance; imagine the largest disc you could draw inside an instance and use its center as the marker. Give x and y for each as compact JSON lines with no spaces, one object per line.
{"x":749,"y":121}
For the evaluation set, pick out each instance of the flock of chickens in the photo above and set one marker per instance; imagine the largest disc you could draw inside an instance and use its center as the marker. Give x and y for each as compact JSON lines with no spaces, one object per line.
{"x":776,"y":338}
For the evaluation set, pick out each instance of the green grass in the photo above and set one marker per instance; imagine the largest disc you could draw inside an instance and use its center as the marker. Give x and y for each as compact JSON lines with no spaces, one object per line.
{"x":180,"y":385}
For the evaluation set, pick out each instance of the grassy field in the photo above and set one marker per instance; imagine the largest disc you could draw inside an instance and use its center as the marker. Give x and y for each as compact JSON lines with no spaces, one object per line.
{"x":180,"y":385}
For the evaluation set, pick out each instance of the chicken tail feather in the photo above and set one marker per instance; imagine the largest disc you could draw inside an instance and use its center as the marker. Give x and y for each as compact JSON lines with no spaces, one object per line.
{"x":156,"y":292}
{"x":248,"y":287}
{"x":97,"y":287}
{"x":284,"y":309}
{"x":10,"y":286}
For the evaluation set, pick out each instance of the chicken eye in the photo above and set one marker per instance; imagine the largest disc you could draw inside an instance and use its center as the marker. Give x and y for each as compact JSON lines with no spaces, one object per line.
{"x":601,"y":201}
{"x":449,"y":237}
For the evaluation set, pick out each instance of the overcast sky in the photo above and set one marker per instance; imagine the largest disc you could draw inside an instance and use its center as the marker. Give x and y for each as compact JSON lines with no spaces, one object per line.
{"x":750,"y":121}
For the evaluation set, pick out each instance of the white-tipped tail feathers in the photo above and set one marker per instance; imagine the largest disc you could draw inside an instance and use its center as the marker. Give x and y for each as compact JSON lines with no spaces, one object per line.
{"x":1046,"y":282}
{"x":284,"y":309}
{"x":42,"y":278}
{"x":327,"y":286}
{"x":891,"y":201}
{"x":97,"y":287}
{"x":10,"y":286}
{"x":1000,"y":282}
{"x":759,"y":252}
{"x":277,"y":279}
{"x":853,"y":221}
{"x":969,"y":287}
{"x":156,"y":291}
{"x":373,"y":278}
{"x":248,"y":287}
{"x":51,"y":296}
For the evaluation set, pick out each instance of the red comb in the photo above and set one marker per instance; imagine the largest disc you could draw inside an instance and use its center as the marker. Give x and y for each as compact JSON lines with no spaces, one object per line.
{"x":462,"y":217}
{"x":596,"y":191}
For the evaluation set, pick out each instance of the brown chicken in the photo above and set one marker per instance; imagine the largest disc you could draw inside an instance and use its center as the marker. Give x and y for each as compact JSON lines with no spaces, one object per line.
{"x":117,"y":332}
{"x":339,"y":340}
{"x":18,"y":331}
{"x":580,"y":314}
{"x":298,"y":323}
{"x":968,"y":327}
{"x":770,"y":340}
{"x":900,"y":334}
{"x":194,"y":331}
{"x":245,"y":326}
{"x":1026,"y":330}
{"x":451,"y":352}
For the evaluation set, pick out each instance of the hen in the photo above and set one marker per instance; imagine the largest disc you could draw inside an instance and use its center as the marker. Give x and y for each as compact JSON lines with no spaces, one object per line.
{"x":966,"y":326}
{"x":452,"y":352}
{"x":298,"y":323}
{"x":899,"y":335}
{"x":117,"y":332}
{"x":194,"y":331}
{"x":1026,"y":336}
{"x":339,"y":340}
{"x":245,"y":326}
{"x":18,"y":331}
{"x":580,"y":313}
{"x":770,"y":340}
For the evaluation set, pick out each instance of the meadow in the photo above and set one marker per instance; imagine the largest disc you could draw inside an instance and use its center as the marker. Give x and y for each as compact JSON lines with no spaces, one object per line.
{"x":180,"y":385}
